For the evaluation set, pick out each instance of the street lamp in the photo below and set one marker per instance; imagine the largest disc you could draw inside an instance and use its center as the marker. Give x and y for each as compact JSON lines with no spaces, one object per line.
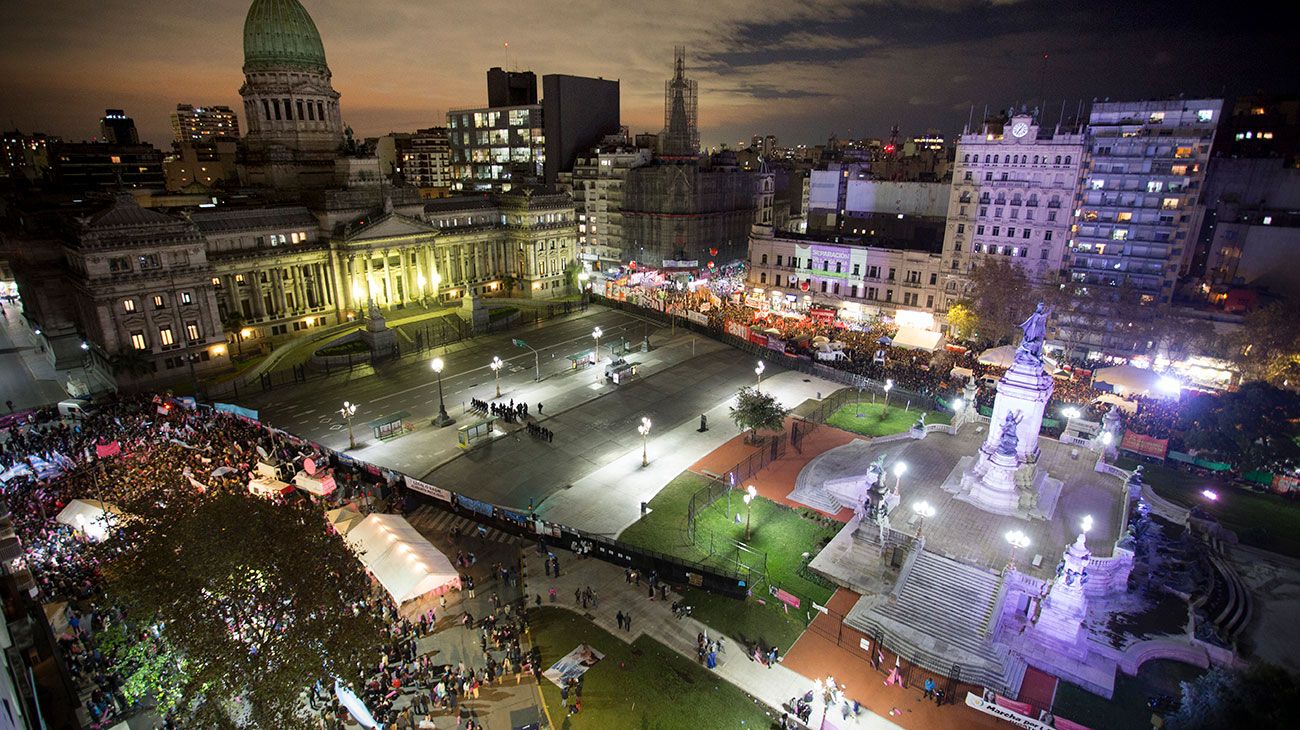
{"x":644,"y":430}
{"x":1084,"y":526}
{"x":1070,"y":412}
{"x":1107,"y":438}
{"x":443,"y":419}
{"x":922,"y":510}
{"x":596,"y":334}
{"x":758,"y":371}
{"x":750,"y":493}
{"x":900,"y":468}
{"x":957,"y":405}
{"x":889,"y":385}
{"x":496,"y":365}
{"x":348,"y":411}
{"x":1018,"y":540}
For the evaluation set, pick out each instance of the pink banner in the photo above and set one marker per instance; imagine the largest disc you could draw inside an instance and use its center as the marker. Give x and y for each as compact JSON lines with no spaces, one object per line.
{"x":786,"y":598}
{"x":1064,"y":724}
{"x":109,"y":449}
{"x":1023,"y":708}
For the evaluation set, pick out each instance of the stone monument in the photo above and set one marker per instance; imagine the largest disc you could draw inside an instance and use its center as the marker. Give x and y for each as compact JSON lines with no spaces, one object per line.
{"x":1111,"y":433}
{"x":378,"y":337}
{"x":1060,"y":621}
{"x":1006,"y":465}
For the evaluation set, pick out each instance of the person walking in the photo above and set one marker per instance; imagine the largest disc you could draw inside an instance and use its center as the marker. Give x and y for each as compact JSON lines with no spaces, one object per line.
{"x":929,"y":688}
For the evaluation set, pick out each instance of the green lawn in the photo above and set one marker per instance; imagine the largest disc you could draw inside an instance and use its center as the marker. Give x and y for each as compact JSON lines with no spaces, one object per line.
{"x":871,"y":419}
{"x":1262,"y":520}
{"x":641,"y":686}
{"x":782,"y":534}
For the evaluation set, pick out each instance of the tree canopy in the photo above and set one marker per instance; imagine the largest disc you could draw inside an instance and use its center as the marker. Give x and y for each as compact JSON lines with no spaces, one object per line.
{"x":1261,"y":696}
{"x":1267,"y":347}
{"x":1250,"y":428}
{"x":757,"y":411}
{"x":254,"y":599}
{"x":963,"y":320}
{"x":1000,"y":298}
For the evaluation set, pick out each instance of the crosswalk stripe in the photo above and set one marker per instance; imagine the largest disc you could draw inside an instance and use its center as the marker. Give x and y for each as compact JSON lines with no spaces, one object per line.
{"x":436,"y":520}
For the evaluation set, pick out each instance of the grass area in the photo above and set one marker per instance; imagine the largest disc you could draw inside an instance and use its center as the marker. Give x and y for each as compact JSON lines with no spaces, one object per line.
{"x":872,"y":419}
{"x":351,"y":347}
{"x":780,"y":534}
{"x":495,"y":315}
{"x":643,"y":685}
{"x":1263,"y":520}
{"x":1127,"y":710}
{"x":250,"y":360}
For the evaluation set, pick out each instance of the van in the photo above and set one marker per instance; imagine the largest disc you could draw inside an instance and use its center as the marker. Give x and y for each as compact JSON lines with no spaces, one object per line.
{"x":75,"y":409}
{"x":614,"y":366}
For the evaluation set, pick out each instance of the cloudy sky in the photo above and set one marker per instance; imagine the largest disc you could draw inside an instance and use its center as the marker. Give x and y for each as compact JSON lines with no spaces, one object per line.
{"x":800,"y":69}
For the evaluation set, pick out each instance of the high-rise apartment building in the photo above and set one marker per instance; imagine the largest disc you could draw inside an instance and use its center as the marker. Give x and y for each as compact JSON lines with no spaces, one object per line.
{"x":511,"y":88}
{"x":1138,"y":213}
{"x":426,"y":162}
{"x":117,"y":128}
{"x":577,"y":112}
{"x":1012,"y":196}
{"x":598,"y":179}
{"x":495,"y":148}
{"x":203,"y":123}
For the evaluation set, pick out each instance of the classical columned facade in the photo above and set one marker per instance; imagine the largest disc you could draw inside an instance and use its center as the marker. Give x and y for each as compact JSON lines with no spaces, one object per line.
{"x":389,"y":260}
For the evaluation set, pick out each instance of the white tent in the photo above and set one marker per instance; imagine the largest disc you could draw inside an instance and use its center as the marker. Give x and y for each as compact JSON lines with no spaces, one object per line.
{"x":1130,"y":380}
{"x":344,"y":519}
{"x":91,"y":516}
{"x":1127,"y":406}
{"x":999,"y":357}
{"x":399,"y":557}
{"x":912,"y":338}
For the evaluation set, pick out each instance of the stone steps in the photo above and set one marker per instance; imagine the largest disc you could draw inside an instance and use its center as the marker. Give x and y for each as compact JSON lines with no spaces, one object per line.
{"x":938,"y":618}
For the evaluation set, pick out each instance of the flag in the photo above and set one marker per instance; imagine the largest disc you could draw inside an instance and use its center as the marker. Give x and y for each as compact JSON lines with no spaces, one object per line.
{"x":113,"y":448}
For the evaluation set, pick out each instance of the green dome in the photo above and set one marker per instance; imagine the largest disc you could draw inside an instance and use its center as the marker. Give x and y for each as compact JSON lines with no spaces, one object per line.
{"x":280,"y":34}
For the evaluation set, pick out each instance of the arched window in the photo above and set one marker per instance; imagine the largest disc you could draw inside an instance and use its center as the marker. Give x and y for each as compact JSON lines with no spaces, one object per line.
{"x":1058,"y":159}
{"x":1067,"y":159}
{"x":995,"y":159}
{"x":764,"y":259}
{"x":965,"y":157}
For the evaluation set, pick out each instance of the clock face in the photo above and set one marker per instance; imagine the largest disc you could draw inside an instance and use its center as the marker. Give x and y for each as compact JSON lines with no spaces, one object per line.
{"x":1019,"y":129}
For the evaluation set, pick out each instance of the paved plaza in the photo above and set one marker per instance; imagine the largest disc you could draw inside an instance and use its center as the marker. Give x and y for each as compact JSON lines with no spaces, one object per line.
{"x":26,"y":376}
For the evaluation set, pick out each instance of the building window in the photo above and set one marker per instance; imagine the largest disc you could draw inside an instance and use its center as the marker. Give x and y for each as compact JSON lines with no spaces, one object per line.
{"x":1042,"y":254}
{"x":165,"y":336}
{"x":823,"y":287}
{"x":149,"y":261}
{"x":889,"y":295}
{"x":891,"y":274}
{"x":762,"y":277}
{"x":778,"y":259}
{"x":137,"y":341}
{"x":216,"y":281}
{"x":239,"y":278}
{"x":158,"y":302}
{"x":128,"y":305}
{"x":192,"y":331}
{"x":119,"y":264}
{"x":186,"y":298}
{"x":934,"y":279}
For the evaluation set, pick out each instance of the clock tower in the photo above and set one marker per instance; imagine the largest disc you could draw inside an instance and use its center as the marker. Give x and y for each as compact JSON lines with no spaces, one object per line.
{"x":1022,"y":128}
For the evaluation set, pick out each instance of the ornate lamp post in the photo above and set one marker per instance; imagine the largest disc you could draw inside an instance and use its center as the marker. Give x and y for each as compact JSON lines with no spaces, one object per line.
{"x":900,"y":468}
{"x":889,"y":385}
{"x":443,"y":419}
{"x":348,"y":411}
{"x":750,"y":493}
{"x":496,"y":366}
{"x":758,"y":371}
{"x":922,"y":510}
{"x":1017,"y":540}
{"x":644,"y":430}
{"x":596,"y":334}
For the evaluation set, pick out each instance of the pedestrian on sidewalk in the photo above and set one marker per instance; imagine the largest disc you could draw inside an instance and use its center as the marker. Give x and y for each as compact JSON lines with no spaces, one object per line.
{"x":619,"y":617}
{"x":539,"y":408}
{"x":627,"y":622}
{"x":929,"y":688}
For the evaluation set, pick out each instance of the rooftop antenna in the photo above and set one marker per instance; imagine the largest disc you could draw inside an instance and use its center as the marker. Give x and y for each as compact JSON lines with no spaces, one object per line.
{"x":969,"y":119}
{"x":984,"y":121}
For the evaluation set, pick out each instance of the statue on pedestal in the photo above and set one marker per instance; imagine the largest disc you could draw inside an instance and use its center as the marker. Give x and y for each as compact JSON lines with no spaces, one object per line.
{"x":920,"y":422}
{"x":1010,"y":440}
{"x":1035,"y":329}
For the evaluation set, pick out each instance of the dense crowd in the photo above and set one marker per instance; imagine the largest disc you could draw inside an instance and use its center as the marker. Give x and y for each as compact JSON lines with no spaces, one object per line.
{"x":126,"y":448}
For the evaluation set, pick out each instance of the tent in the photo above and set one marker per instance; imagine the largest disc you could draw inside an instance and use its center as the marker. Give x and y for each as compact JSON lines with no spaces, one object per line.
{"x":1127,"y":406}
{"x":1130,"y":380}
{"x":268,"y":487}
{"x":90,"y":516}
{"x":344,"y":519}
{"x":911,"y":338}
{"x":999,"y":357}
{"x":399,"y":557}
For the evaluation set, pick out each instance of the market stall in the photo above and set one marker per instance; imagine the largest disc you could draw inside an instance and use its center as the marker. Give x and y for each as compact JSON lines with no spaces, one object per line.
{"x":399,"y":557}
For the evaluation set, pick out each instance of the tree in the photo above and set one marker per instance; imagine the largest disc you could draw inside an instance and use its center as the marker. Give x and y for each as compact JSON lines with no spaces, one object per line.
{"x":1267,"y":347}
{"x":1261,"y":696}
{"x":234,"y":322}
{"x":509,"y":282}
{"x":1000,"y":297}
{"x":571,"y":271}
{"x":963,"y":320}
{"x":130,"y":361}
{"x":254,"y":598}
{"x":757,"y":411}
{"x":1250,"y":428}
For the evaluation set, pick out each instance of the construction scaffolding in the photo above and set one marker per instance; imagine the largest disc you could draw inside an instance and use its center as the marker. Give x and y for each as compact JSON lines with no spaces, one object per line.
{"x":681,"y":135}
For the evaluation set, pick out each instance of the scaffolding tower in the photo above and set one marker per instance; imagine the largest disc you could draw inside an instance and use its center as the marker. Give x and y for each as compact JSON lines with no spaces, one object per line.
{"x":681,"y":136}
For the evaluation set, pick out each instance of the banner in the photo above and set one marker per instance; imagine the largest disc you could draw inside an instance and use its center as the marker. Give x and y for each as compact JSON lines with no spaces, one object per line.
{"x":1283,"y":483}
{"x":775,"y":343}
{"x":1023,"y":708}
{"x":1011,"y":716}
{"x":248,"y":413}
{"x":698,"y":317}
{"x":1144,"y":445}
{"x":737,"y":329}
{"x":787,"y":598}
{"x":112,"y":448}
{"x":573,"y":665}
{"x":474,"y":505}
{"x":429,"y":489}
{"x":758,"y":338}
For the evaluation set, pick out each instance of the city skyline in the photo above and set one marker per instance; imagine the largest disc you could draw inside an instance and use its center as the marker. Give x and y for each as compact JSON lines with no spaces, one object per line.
{"x":769,"y":70}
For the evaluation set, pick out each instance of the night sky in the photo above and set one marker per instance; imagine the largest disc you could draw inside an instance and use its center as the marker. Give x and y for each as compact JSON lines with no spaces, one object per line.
{"x":800,"y":69}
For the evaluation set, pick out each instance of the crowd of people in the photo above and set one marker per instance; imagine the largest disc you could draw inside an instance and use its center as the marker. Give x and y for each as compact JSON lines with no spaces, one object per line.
{"x":147,"y":448}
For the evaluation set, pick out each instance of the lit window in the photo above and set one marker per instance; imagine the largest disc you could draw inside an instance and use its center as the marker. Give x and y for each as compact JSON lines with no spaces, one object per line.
{"x":165,"y":336}
{"x":1268,"y":220}
{"x":192,"y":331}
{"x":137,"y":341}
{"x":1204,"y":115}
{"x":128,"y":305}
{"x":1119,"y":234}
{"x":157,"y":301}
{"x":186,"y":298}
{"x":216,"y":281}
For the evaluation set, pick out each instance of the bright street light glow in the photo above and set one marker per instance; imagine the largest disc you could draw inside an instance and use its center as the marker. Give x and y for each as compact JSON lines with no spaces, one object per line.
{"x":1170,"y":385}
{"x":958,"y":404}
{"x":889,"y":384}
{"x":761,"y":367}
{"x":750,"y":493}
{"x":1017,"y":539}
{"x":437,"y":364}
{"x":1210,"y":494}
{"x":1087,"y":523}
{"x":1107,"y":438}
{"x":923,"y":509}
{"x":900,"y":468}
{"x":597,"y":333}
{"x":1070,"y":412}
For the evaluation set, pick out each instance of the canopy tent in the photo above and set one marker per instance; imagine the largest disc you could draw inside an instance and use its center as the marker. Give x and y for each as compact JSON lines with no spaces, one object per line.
{"x":399,"y":557}
{"x":268,"y":487}
{"x":90,"y":516}
{"x":999,"y":357}
{"x":1130,"y":379}
{"x":319,"y":484}
{"x":912,"y":338}
{"x":344,"y":519}
{"x":1127,"y":406}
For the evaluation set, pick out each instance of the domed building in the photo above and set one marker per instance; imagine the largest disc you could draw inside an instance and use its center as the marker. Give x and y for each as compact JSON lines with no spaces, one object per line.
{"x":294,"y":129}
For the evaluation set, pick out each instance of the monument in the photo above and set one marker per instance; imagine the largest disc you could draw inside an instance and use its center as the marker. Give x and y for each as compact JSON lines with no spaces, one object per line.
{"x":378,"y":337}
{"x":1060,"y":621}
{"x":1005,"y":478}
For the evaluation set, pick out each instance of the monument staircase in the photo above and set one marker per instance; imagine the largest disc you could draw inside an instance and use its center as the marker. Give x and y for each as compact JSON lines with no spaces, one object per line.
{"x":1230,"y":605}
{"x":939,"y":614}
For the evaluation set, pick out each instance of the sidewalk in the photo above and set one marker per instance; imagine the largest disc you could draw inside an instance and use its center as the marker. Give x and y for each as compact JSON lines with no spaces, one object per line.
{"x":608,"y":500}
{"x":774,"y":686}
{"x":26,"y":376}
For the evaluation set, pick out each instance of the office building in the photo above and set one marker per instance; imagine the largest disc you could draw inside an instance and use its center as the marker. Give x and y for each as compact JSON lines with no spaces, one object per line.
{"x":511,"y":88}
{"x":25,"y":156}
{"x":88,"y":166}
{"x":577,"y":112}
{"x":201,"y":166}
{"x":1139,"y":214}
{"x":845,"y":202}
{"x":117,"y":128}
{"x":1012,"y":196}
{"x":203,"y":123}
{"x":493,"y":149}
